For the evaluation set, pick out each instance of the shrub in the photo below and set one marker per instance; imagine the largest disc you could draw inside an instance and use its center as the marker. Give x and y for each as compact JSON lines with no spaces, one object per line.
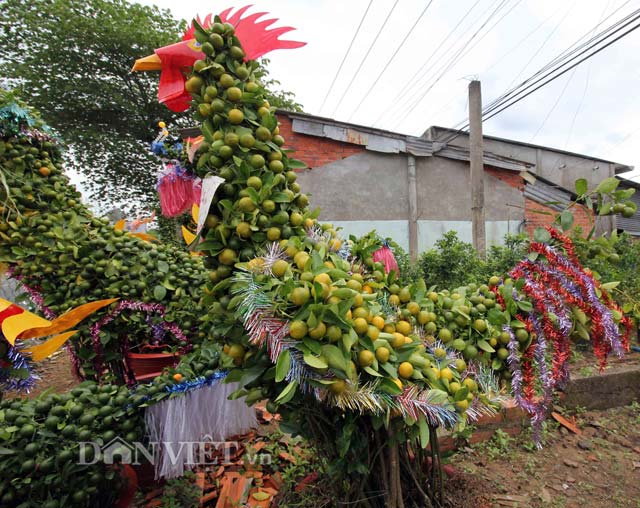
{"x":451,"y":263}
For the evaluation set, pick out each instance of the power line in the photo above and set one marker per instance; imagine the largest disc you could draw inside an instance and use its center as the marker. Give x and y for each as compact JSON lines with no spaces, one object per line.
{"x":586,"y":85}
{"x":565,"y":55}
{"x":456,"y":57}
{"x":510,"y":98}
{"x":333,"y":82}
{"x":416,"y":82}
{"x":513,"y":48}
{"x":355,"y":74}
{"x":422,"y":67}
{"x":454,"y":96}
{"x":386,"y":66}
{"x":564,"y":89}
{"x":633,"y":28}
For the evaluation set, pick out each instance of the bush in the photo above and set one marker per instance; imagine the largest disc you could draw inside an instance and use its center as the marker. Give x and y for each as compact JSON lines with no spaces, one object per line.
{"x":502,"y":258}
{"x":452,"y":263}
{"x":614,"y":259}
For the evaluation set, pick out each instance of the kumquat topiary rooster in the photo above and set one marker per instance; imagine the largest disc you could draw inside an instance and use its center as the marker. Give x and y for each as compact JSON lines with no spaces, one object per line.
{"x":311,"y":322}
{"x":278,"y":308}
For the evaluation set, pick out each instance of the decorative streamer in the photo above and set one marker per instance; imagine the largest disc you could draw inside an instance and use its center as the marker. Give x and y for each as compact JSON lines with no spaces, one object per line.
{"x":413,"y":402}
{"x":553,"y":287}
{"x":199,"y":413}
{"x":10,"y":376}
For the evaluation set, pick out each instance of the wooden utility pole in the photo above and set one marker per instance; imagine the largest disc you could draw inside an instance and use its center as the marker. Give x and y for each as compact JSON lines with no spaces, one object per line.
{"x":477,"y":168}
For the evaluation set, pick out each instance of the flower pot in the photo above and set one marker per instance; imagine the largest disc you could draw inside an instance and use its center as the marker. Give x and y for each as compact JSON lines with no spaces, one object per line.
{"x":146,"y":366}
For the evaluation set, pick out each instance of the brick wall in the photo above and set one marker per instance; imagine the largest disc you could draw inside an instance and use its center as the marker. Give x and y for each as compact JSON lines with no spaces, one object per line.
{"x":536,"y":214}
{"x":312,"y":150}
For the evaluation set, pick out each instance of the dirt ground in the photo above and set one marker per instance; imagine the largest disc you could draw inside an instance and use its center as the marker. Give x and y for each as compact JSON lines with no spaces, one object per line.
{"x":598,"y":469}
{"x":55,"y":374}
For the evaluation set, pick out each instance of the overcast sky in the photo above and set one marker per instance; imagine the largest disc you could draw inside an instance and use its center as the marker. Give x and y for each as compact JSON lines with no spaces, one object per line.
{"x":592,"y":110}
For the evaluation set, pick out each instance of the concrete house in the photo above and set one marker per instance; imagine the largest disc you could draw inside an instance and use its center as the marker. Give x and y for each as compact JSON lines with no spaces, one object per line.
{"x":413,"y":189}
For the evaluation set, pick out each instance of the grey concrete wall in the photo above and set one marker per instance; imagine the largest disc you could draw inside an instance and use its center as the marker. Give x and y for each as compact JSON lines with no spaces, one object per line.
{"x":367,"y":186}
{"x":370,"y":191}
{"x":444,"y":193}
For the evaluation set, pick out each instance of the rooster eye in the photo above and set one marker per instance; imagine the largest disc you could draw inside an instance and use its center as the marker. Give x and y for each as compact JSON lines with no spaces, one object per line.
{"x":195,"y":45}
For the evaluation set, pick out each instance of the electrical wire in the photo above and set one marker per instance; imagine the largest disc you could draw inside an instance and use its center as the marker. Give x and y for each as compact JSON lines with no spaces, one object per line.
{"x":586,"y":86}
{"x":456,"y":57}
{"x":373,"y":42}
{"x":386,"y":66}
{"x":580,"y":49}
{"x":632,"y":29}
{"x":355,"y":35}
{"x":417,"y":83}
{"x":555,"y":104}
{"x":511,"y":97}
{"x":426,"y":62}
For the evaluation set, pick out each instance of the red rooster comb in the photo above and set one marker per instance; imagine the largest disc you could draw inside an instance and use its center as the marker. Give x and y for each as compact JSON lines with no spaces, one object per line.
{"x":256,"y":40}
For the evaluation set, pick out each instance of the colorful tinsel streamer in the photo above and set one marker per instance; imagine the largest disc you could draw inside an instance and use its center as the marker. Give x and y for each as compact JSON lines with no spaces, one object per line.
{"x":553,"y":287}
{"x":257,"y":313}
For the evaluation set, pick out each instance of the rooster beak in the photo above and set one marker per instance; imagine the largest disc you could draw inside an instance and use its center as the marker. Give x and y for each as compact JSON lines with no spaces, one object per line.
{"x":148,"y":63}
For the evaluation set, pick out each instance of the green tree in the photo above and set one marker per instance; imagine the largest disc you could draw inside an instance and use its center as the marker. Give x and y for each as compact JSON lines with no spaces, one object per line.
{"x":451,"y":263}
{"x":73,"y":60}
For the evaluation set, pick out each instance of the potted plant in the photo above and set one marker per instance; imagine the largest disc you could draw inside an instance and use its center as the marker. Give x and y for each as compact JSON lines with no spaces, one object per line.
{"x":145,"y":354}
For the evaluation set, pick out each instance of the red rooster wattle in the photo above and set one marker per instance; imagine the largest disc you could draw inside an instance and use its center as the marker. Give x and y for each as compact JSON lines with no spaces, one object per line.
{"x":172,"y":61}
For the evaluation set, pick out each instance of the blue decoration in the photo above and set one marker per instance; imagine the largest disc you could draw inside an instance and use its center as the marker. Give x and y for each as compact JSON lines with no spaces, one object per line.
{"x":199,"y":382}
{"x":19,"y":374}
{"x":187,"y":385}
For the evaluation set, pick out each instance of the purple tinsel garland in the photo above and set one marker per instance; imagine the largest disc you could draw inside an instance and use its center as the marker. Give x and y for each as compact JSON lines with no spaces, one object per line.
{"x":18,"y":361}
{"x":149,"y":308}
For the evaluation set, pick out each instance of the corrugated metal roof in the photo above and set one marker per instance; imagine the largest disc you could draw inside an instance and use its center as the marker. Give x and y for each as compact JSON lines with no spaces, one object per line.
{"x":490,"y":159}
{"x":632,"y":224}
{"x":436,"y":130}
{"x":552,"y":196}
{"x":378,"y":140}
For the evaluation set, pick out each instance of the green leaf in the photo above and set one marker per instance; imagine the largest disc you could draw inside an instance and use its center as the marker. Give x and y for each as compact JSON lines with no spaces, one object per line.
{"x":159,"y":292}
{"x":610,"y":285}
{"x":287,"y":394}
{"x":315,"y":362}
{"x":281,"y":197}
{"x":525,"y":306}
{"x":485,"y":346}
{"x":390,"y":369}
{"x":349,"y":339}
{"x":496,"y":317}
{"x":582,"y":186}
{"x":566,"y":220}
{"x":541,"y":235}
{"x":608,"y":185}
{"x":461,"y":394}
{"x":423,"y":430}
{"x":372,"y":372}
{"x":605,"y":208}
{"x":283,"y":365}
{"x":163,"y":266}
{"x":388,"y":386}
{"x":296,"y":164}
